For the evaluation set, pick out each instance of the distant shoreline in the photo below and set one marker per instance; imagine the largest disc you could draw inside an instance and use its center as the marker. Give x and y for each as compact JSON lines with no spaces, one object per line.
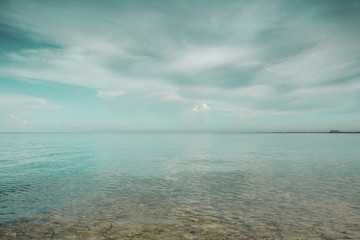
{"x":180,"y":132}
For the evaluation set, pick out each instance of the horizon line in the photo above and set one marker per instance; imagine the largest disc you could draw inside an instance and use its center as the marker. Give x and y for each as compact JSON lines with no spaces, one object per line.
{"x":168,"y":131}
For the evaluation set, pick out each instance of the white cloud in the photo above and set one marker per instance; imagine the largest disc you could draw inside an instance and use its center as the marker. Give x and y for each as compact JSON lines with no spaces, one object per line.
{"x":201,"y":108}
{"x":232,"y":95}
{"x":129,"y":126}
{"x":19,"y":122}
{"x":75,"y":65}
{"x":172,"y":96}
{"x":88,"y":66}
{"x":321,"y":98}
{"x":24,"y":102}
{"x":109,"y":94}
{"x":324,"y":63}
{"x":200,"y":59}
{"x":245,"y":113}
{"x":21,"y":99}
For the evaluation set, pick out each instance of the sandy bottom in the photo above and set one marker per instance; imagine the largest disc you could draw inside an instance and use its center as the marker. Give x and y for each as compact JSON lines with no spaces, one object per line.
{"x":133,"y":219}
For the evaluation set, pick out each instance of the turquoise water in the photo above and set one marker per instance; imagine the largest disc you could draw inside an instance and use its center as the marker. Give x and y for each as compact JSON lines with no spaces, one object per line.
{"x":204,"y":186}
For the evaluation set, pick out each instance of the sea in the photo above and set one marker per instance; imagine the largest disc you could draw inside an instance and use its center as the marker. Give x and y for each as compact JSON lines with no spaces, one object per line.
{"x":179,"y":186}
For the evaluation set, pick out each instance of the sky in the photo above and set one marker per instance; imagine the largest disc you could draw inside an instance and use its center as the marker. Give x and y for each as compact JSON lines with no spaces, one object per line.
{"x":161,"y":65}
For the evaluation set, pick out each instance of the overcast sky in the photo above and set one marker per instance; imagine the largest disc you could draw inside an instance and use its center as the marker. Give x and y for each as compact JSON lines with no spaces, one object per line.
{"x":180,"y":65}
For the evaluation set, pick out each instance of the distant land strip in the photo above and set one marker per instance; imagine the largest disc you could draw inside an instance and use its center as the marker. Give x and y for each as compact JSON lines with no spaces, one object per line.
{"x":185,"y":132}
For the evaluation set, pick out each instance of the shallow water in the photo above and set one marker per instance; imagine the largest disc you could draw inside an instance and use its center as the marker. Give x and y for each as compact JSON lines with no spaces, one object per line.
{"x":180,"y":186}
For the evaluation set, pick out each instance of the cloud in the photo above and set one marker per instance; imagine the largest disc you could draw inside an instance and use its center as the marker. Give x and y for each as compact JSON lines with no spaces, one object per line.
{"x":19,"y":122}
{"x":109,"y":94}
{"x":24,"y":102}
{"x":321,"y":64}
{"x":320,"y":98}
{"x":172,"y":96}
{"x":245,"y":113}
{"x":20,"y":99}
{"x":201,"y":108}
{"x":200,"y":59}
{"x":129,"y":126}
{"x":77,"y":66}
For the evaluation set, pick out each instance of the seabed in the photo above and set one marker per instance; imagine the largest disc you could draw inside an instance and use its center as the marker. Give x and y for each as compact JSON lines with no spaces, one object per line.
{"x":130,"y":219}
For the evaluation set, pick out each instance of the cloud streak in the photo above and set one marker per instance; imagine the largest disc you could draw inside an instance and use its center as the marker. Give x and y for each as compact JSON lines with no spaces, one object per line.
{"x":109,"y":94}
{"x":19,"y":122}
{"x":24,"y":102}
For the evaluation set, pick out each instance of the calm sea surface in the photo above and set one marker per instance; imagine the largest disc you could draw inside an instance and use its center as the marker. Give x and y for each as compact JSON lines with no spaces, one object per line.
{"x":180,"y":186}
